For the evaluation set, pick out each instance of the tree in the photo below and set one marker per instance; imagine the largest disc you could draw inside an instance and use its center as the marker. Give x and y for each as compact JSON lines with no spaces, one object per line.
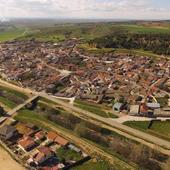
{"x":2,"y":111}
{"x":81,"y":129}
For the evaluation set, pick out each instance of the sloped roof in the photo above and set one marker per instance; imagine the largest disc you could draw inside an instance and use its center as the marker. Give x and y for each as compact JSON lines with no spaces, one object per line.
{"x":6,"y":129}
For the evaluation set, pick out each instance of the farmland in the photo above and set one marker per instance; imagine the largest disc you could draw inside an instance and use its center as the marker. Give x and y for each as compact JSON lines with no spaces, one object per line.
{"x":91,"y":31}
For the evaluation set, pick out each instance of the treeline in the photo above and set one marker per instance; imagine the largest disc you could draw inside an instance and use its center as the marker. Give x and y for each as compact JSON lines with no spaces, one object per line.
{"x":157,"y":43}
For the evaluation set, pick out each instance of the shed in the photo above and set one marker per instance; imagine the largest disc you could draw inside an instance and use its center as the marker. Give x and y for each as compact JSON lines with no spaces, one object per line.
{"x":153,"y":105}
{"x":134,"y":109}
{"x":117,"y":106}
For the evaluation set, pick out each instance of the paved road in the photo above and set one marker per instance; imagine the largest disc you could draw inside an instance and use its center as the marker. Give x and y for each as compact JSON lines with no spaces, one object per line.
{"x":110,"y":122}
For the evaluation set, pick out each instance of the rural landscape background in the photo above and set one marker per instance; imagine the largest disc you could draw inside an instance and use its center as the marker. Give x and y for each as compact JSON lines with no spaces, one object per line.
{"x":85,"y":85}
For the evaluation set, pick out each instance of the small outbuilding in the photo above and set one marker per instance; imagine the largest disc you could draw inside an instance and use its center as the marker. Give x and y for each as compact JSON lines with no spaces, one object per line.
{"x":117,"y":106}
{"x":134,"y":109}
{"x":153,"y":105}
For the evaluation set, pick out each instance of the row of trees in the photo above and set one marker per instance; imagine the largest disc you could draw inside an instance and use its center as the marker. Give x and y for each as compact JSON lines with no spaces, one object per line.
{"x":157,"y":43}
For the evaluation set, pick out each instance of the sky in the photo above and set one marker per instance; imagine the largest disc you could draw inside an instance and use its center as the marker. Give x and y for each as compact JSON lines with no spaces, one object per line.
{"x":87,"y":9}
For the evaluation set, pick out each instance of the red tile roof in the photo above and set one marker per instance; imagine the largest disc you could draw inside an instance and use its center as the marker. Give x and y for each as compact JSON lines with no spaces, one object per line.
{"x":56,"y":138}
{"x":26,"y":142}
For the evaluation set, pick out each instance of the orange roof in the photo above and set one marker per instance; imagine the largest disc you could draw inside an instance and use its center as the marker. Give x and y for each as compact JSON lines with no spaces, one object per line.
{"x":51,"y":136}
{"x":60,"y":140}
{"x":56,"y":138}
{"x":26,"y":142}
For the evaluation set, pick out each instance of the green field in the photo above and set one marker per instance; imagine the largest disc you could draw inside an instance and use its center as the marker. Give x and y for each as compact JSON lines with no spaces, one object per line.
{"x":144,"y":30}
{"x":91,"y":31}
{"x":17,"y":93}
{"x":11,"y":34}
{"x":138,"y":124}
{"x":160,"y":129}
{"x":7,"y":102}
{"x":93,"y":109}
{"x":95,"y":165}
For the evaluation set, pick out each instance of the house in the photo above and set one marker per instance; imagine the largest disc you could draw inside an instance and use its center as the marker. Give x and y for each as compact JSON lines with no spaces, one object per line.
{"x":39,"y":136}
{"x":44,"y":153}
{"x":134,"y":109}
{"x":26,"y":143}
{"x":61,"y":141}
{"x":7,"y":132}
{"x":51,"y":136}
{"x":117,"y":106}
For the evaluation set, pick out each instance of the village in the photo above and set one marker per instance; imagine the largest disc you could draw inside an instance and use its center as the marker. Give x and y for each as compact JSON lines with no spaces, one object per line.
{"x":122,"y":87}
{"x":131,"y":84}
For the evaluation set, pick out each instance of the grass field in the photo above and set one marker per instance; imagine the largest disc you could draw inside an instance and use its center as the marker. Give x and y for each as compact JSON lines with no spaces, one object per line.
{"x":95,"y":165}
{"x":160,"y":129}
{"x":11,"y":34}
{"x":144,"y":30}
{"x":93,"y":109}
{"x":91,"y":31}
{"x":138,"y":125}
{"x":7,"y":102}
{"x":17,"y":93}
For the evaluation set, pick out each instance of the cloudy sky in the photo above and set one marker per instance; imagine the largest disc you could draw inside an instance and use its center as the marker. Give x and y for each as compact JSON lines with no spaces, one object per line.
{"x":104,"y":9}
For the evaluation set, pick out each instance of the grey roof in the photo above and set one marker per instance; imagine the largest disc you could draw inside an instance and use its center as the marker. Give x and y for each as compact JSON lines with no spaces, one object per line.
{"x":6,"y":129}
{"x":153,"y":105}
{"x":117,"y":106}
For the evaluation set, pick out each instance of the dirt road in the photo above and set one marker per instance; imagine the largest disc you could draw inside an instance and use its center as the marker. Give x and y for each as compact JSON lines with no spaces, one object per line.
{"x":7,"y":163}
